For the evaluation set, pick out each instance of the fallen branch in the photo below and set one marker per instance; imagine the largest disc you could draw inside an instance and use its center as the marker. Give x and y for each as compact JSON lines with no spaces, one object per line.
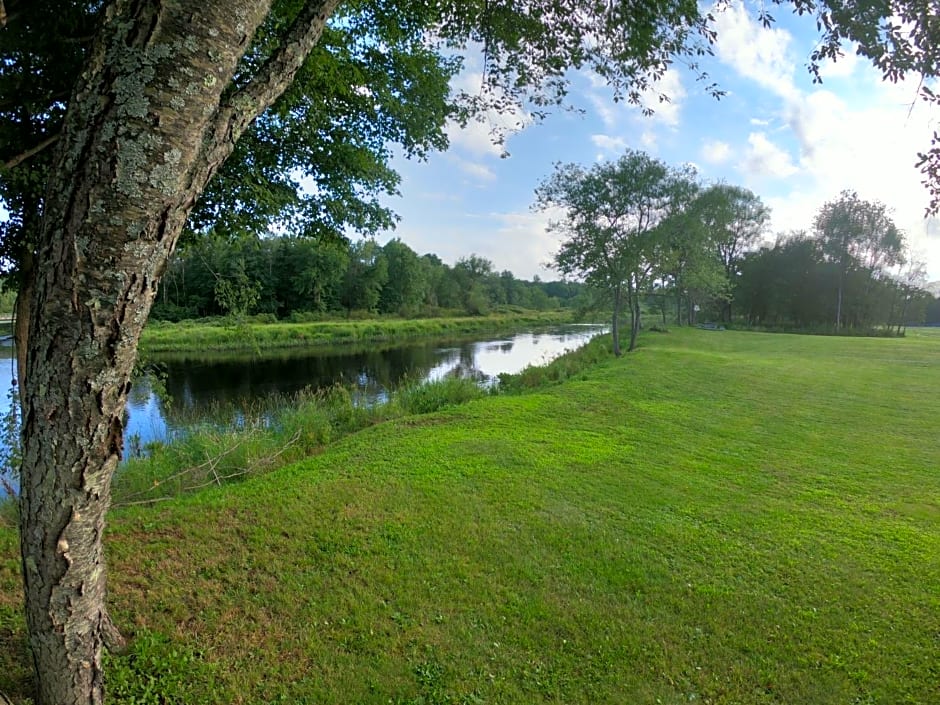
{"x":216,"y":479}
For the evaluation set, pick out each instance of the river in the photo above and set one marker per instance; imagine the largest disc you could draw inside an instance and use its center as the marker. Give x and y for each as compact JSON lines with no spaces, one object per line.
{"x":218,"y":388}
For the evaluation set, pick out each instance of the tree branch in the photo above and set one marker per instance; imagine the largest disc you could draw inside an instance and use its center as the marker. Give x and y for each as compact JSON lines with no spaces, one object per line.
{"x":240,"y":109}
{"x":32,"y":151}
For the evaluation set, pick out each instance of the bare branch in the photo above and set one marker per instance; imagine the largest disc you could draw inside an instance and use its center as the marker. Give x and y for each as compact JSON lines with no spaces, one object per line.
{"x":29,"y":153}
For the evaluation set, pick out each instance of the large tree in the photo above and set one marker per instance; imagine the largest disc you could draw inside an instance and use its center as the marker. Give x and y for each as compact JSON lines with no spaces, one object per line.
{"x":117,"y":116}
{"x":856,"y":234}
{"x":736,"y":219}
{"x":615,"y":226}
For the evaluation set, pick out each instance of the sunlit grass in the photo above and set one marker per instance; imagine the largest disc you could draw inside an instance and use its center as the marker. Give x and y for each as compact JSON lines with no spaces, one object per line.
{"x":720,"y":517}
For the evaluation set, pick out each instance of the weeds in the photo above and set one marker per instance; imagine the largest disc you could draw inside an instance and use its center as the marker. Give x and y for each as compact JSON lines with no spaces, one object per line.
{"x":263,"y":437}
{"x":440,"y":394}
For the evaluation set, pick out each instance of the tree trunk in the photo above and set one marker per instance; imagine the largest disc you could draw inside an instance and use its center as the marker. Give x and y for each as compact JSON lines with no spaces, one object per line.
{"x":147,"y":127}
{"x":615,"y":326}
{"x":839,"y":300}
{"x":634,"y":321}
{"x":21,"y":314}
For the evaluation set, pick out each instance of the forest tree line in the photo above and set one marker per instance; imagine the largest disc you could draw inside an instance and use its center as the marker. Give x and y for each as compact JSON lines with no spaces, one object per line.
{"x":295,"y":278}
{"x":646,"y":234}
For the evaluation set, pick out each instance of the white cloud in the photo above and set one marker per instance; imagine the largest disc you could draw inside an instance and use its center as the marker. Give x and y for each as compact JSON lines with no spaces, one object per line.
{"x":716,"y":151}
{"x":766,"y":159}
{"x":865,"y":140}
{"x":478,"y":171}
{"x":843,"y":68}
{"x":648,"y":140}
{"x":759,"y":53}
{"x":522,"y":241}
{"x":666,"y":111}
{"x":479,"y":137}
{"x":609,"y":144}
{"x":665,"y":98}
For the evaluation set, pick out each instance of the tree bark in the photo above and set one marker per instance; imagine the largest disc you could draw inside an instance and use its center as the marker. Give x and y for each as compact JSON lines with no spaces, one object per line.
{"x":634,"y":320}
{"x":615,"y":326}
{"x":148,"y":125}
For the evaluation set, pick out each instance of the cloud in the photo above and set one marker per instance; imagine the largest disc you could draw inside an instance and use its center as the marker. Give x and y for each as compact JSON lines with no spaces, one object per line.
{"x":716,"y":151}
{"x":666,"y":111}
{"x":479,"y":137}
{"x":843,"y":68}
{"x":607,"y":143}
{"x":765,"y":159}
{"x":478,"y":171}
{"x":515,"y":240}
{"x":665,"y":98}
{"x":759,"y":53}
{"x":523,"y":241}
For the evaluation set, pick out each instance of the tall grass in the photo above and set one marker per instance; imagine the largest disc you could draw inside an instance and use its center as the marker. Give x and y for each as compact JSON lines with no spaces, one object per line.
{"x":264,"y":436}
{"x":224,"y":335}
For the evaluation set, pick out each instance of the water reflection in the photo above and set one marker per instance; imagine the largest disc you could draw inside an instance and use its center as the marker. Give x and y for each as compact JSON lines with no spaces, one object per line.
{"x":226,"y":387}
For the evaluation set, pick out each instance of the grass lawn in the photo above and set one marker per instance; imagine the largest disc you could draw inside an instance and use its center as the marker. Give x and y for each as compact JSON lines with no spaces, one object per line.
{"x":719,"y":517}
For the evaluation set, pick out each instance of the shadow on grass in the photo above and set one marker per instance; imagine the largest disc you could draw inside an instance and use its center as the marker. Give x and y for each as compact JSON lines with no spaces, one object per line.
{"x":16,"y":669}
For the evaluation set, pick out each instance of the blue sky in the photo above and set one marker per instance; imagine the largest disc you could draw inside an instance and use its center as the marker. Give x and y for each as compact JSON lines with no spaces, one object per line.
{"x":793,"y":143}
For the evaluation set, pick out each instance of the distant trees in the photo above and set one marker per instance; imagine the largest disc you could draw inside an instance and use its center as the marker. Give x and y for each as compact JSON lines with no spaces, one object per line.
{"x":860,"y":239}
{"x":736,"y":219}
{"x":323,"y":273}
{"x":614,"y":226}
{"x":637,"y":230}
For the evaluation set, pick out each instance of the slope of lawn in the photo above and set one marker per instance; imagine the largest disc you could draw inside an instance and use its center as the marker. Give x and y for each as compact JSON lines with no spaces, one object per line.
{"x":719,"y":517}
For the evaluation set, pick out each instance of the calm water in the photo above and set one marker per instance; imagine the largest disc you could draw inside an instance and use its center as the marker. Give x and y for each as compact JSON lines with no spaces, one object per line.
{"x":214,"y":389}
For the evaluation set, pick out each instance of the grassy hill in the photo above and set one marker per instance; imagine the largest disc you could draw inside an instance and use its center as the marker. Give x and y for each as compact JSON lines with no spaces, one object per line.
{"x":719,"y":517}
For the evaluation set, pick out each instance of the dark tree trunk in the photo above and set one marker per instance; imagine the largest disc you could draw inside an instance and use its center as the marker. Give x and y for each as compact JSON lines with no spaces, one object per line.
{"x":839,"y":299}
{"x":615,"y":325}
{"x":634,"y":321}
{"x":21,"y":314}
{"x":147,"y":127}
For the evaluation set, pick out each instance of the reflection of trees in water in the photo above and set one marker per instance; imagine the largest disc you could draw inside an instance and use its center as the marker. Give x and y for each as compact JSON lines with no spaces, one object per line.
{"x":464,"y":371}
{"x":227,"y":386}
{"x":223,"y":387}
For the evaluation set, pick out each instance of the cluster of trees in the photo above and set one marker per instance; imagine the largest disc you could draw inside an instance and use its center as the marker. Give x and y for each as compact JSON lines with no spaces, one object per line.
{"x":640,"y":231}
{"x":286,"y":276}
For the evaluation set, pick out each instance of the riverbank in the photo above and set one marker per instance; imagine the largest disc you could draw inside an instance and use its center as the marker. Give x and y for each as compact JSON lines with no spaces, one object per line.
{"x":719,"y":517}
{"x":225,"y":335}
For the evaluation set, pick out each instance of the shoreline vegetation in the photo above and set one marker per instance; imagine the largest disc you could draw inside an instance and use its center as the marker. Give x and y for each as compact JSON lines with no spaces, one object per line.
{"x":287,"y":428}
{"x":261,"y":334}
{"x":718,"y":517}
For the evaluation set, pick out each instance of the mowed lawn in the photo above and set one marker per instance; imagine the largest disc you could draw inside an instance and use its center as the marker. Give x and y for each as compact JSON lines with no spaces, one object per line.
{"x":719,"y":517}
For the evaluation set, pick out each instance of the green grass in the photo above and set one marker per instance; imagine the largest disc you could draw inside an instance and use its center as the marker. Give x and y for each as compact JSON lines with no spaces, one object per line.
{"x":720,"y":517}
{"x":222,"y":334}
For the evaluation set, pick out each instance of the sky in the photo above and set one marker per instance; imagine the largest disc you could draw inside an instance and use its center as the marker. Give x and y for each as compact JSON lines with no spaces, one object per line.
{"x":794,"y":143}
